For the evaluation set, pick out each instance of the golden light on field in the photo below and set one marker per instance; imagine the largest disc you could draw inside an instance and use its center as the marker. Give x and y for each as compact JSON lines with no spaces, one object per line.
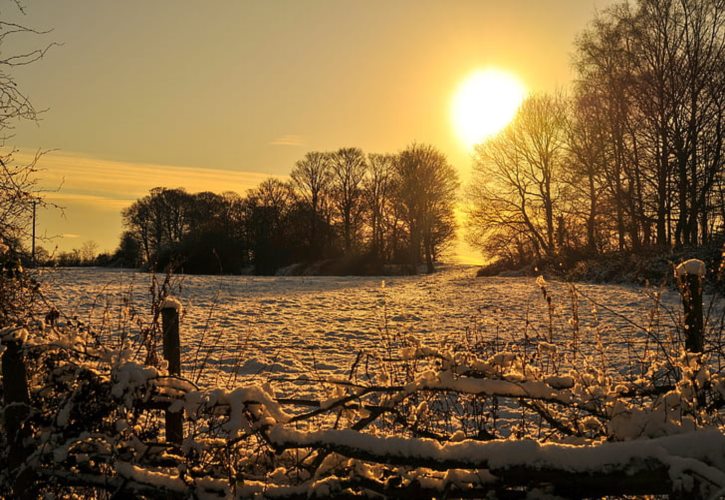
{"x":484,"y":104}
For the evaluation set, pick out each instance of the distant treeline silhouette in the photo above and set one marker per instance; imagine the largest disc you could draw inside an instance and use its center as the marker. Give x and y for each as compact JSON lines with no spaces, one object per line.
{"x":340,"y":212}
{"x":631,"y":160}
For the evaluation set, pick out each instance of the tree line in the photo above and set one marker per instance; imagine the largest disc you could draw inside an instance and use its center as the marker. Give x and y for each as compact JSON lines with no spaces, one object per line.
{"x":630,"y":159}
{"x":347,"y":210}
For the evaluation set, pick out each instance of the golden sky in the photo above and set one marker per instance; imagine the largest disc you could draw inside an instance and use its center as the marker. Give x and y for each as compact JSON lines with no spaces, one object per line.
{"x":217,"y":95}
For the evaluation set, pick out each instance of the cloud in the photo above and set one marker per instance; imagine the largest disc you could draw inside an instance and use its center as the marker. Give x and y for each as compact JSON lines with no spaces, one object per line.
{"x":288,"y":140}
{"x":92,"y":192}
{"x":61,"y":198}
{"x":78,"y":177}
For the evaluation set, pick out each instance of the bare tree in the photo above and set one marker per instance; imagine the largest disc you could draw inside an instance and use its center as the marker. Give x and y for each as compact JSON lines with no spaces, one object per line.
{"x":587,"y":148}
{"x":605,"y":70}
{"x":159,"y":220}
{"x":378,"y":191}
{"x":88,"y":251}
{"x":18,"y":194}
{"x":656,"y":68}
{"x":270,"y":206}
{"x":348,"y":171}
{"x":18,"y":189}
{"x":426,"y":192}
{"x":518,"y":185}
{"x":312,"y":177}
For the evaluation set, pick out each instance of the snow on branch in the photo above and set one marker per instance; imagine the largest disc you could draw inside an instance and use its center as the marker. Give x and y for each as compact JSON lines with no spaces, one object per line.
{"x":691,"y":267}
{"x":520,"y":461}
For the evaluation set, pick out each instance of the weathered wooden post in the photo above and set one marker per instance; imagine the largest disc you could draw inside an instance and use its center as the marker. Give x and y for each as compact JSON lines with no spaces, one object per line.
{"x":16,"y":399}
{"x":170,"y":312}
{"x":690,"y":275}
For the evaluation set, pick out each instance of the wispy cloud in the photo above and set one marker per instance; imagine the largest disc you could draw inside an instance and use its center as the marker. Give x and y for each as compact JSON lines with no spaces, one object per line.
{"x":62,"y":198}
{"x":78,"y":177}
{"x":94,"y":191}
{"x":288,"y":140}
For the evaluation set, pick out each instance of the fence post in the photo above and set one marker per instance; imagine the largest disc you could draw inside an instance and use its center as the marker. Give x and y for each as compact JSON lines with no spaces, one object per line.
{"x":170,"y":311}
{"x":690,"y":275}
{"x":16,"y":399}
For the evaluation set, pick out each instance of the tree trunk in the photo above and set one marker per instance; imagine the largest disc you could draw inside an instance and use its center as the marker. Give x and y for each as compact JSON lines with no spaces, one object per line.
{"x":428,"y":244}
{"x":414,"y":249}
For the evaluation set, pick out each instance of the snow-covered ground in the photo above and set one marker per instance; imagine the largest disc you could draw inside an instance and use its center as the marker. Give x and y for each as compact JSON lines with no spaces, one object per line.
{"x":292,"y":326}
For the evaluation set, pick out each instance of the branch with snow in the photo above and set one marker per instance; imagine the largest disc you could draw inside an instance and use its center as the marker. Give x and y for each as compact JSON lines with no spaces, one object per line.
{"x":672,"y":459}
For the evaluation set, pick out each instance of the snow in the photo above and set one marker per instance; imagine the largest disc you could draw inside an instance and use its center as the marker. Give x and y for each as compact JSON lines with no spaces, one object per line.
{"x":129,"y":377}
{"x":703,"y":446}
{"x":161,"y":479}
{"x":690,"y":267}
{"x":488,"y":387}
{"x":450,"y":335}
{"x":247,"y":328}
{"x":171,"y":302}
{"x":13,"y":334}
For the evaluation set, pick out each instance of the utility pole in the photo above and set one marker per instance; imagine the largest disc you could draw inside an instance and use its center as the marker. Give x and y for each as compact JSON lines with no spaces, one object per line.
{"x":35,"y":204}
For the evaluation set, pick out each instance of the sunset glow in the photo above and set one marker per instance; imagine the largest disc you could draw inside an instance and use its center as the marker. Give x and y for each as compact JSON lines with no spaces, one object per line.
{"x":484,"y":104}
{"x":329,"y":249}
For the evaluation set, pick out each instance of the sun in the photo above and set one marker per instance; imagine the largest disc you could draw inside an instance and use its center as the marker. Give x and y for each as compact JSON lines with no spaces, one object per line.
{"x":484,"y":104}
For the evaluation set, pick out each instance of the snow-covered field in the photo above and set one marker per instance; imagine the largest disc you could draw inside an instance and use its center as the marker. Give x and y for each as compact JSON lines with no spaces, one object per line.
{"x":242,"y":327}
{"x":539,"y":404}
